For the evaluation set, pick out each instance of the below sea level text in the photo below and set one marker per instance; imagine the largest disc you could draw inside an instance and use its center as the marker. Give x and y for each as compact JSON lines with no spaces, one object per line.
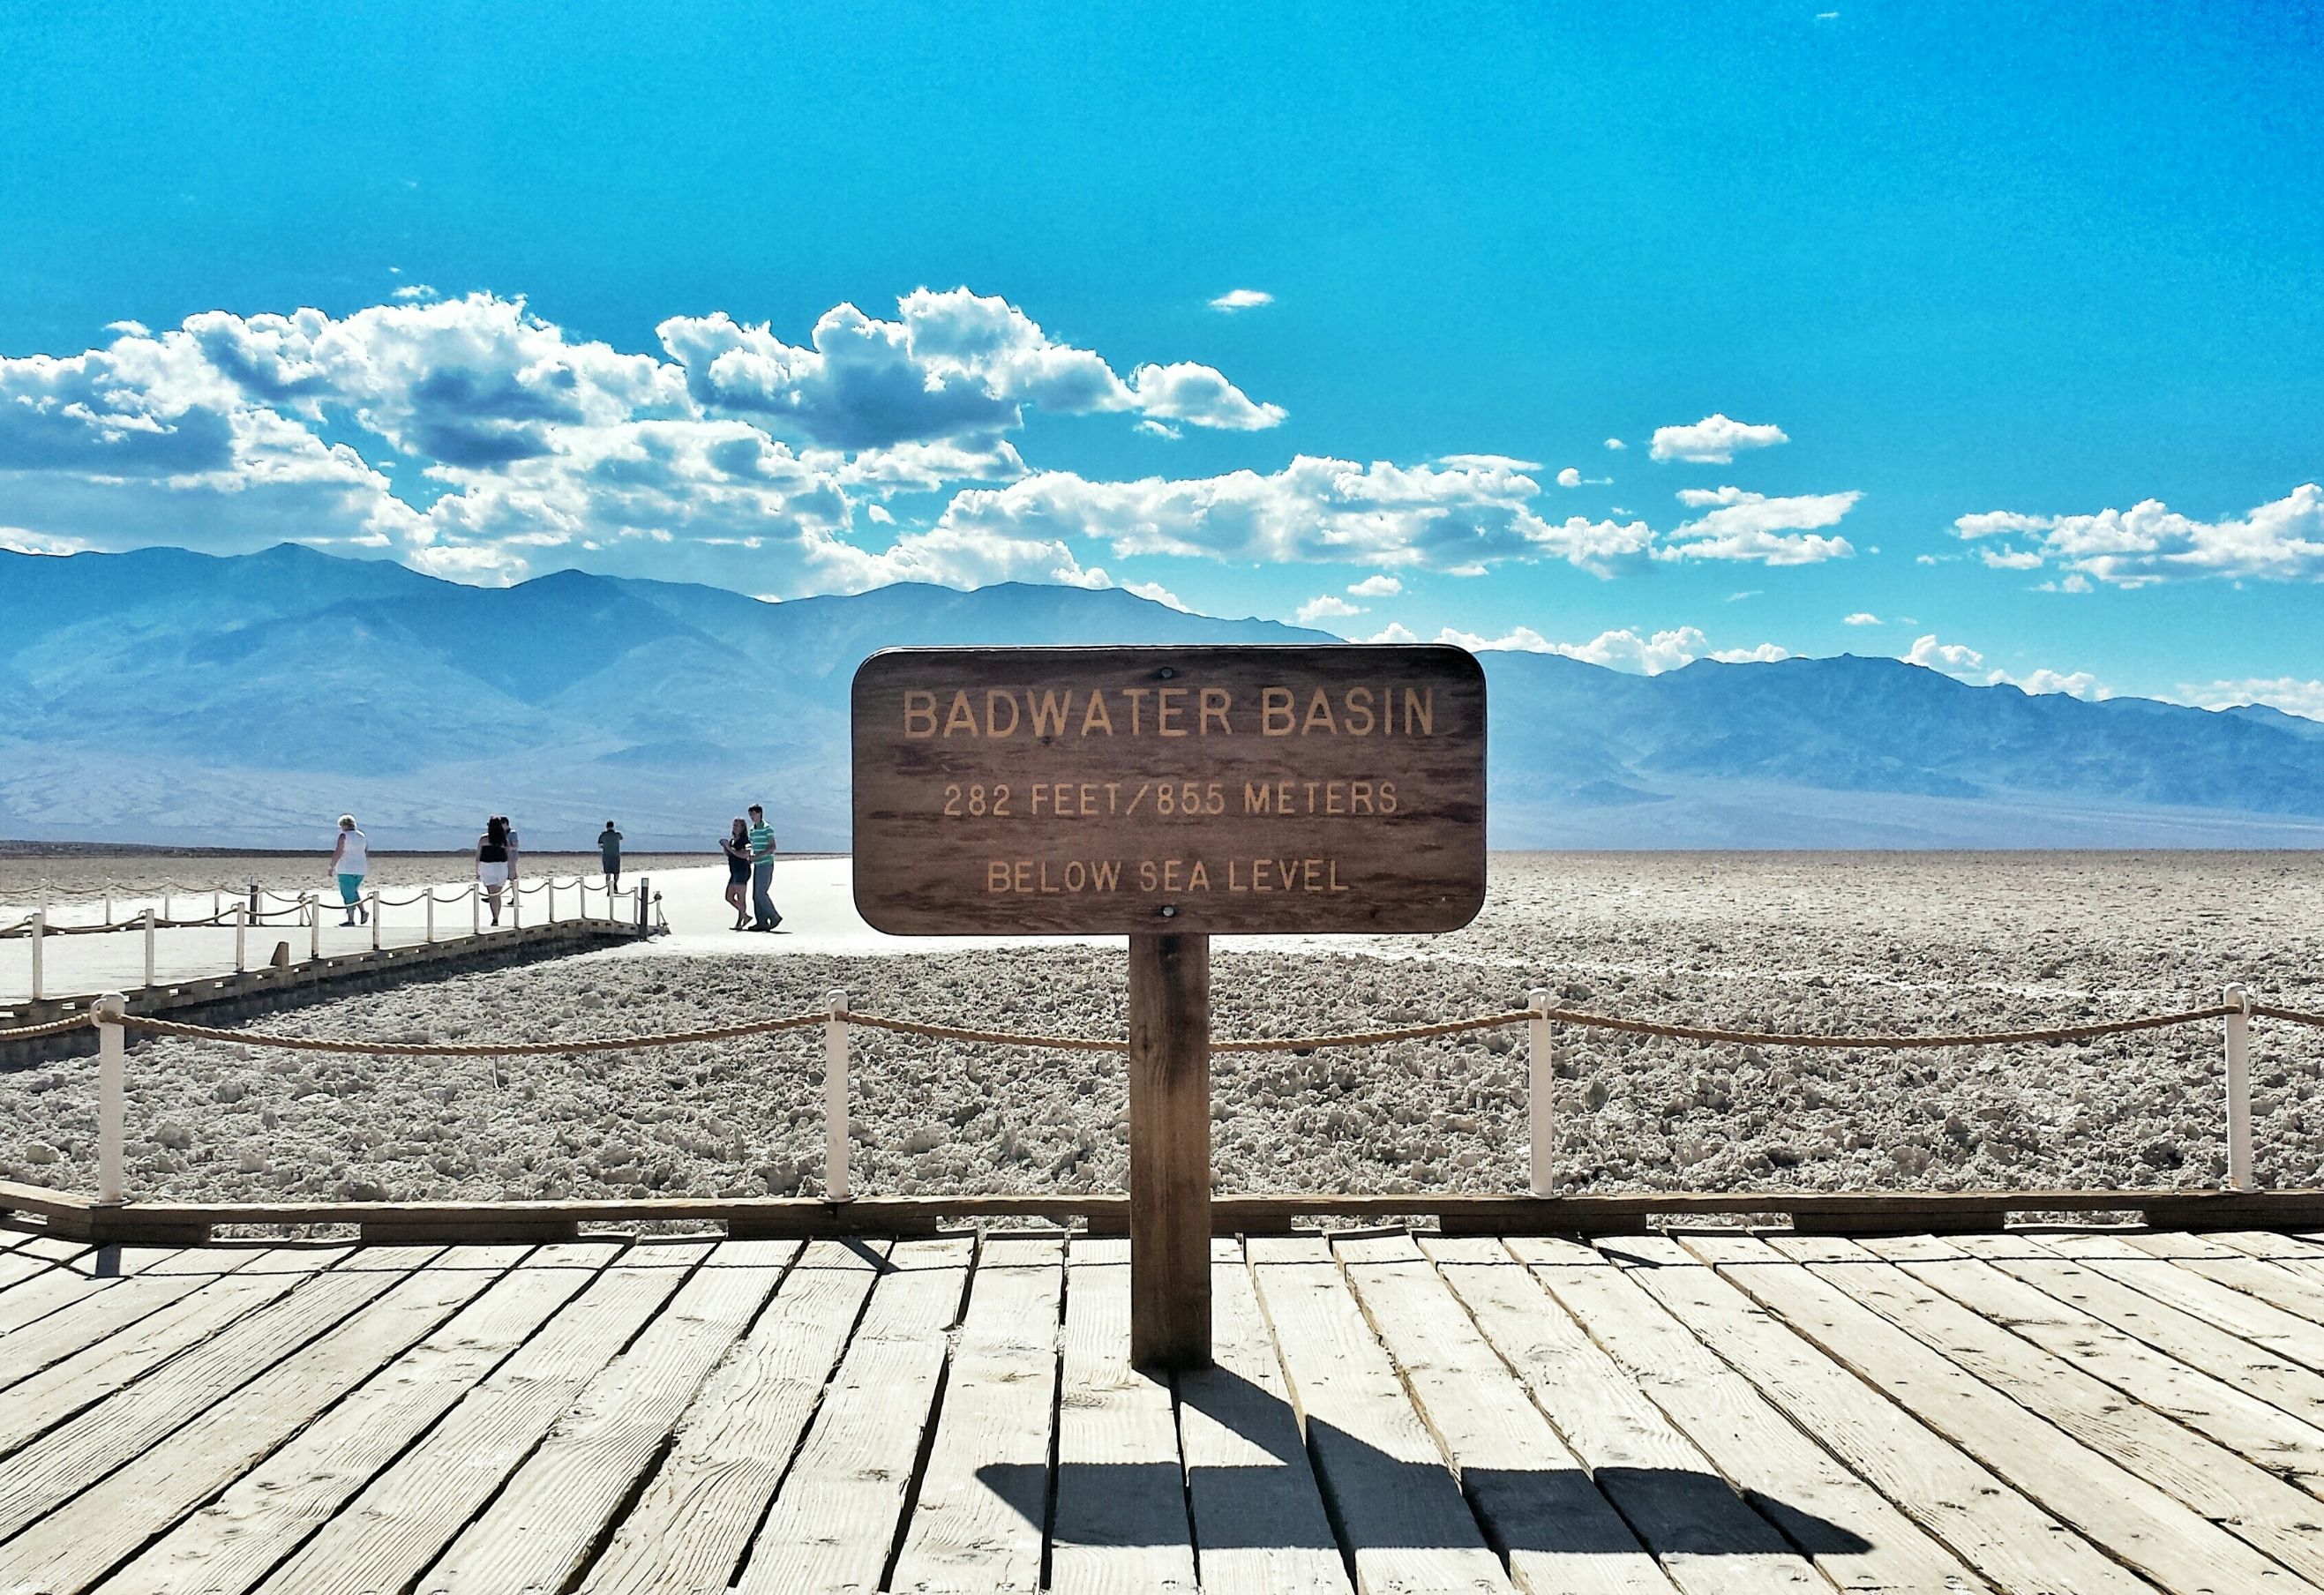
{"x":1078,"y":877}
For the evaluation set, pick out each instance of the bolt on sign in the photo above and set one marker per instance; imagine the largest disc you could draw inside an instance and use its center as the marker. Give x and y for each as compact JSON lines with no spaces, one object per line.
{"x":1191,"y":791}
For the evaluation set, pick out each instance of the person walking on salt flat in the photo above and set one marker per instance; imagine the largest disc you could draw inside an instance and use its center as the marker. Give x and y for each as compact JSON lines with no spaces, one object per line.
{"x":762,"y":872}
{"x":495,"y":861}
{"x":350,"y":862}
{"x":609,"y":855}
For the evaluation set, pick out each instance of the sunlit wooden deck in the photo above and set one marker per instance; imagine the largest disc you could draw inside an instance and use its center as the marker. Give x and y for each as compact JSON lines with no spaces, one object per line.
{"x":2083,"y":1412}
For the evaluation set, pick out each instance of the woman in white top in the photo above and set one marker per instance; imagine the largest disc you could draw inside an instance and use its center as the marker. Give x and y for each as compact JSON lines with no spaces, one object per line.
{"x":350,"y":862}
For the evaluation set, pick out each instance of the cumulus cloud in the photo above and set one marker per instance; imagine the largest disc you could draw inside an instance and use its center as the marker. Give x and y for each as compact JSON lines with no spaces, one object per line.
{"x":1714,"y":440}
{"x":1569,"y":477}
{"x":1766,"y":653}
{"x":1312,"y":510}
{"x":1752,"y":526}
{"x":1377,"y":587}
{"x":1326,"y":607}
{"x":1242,"y":298}
{"x":1487,"y":462}
{"x":2280,"y":540}
{"x":1964,"y":663}
{"x":1156,"y":593}
{"x":2287,"y":693}
{"x":1861,"y":618}
{"x":237,"y":430}
{"x":1623,"y":650}
{"x":1616,"y":443}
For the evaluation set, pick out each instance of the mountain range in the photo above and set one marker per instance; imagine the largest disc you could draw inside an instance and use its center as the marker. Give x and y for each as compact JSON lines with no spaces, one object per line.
{"x":167,"y":696}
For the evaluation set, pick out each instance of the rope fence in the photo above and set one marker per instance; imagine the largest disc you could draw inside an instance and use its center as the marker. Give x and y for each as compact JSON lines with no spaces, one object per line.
{"x":248,"y":912}
{"x":112,"y":1022}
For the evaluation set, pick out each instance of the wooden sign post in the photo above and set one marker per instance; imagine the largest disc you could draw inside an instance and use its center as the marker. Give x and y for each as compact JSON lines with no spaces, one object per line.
{"x":1167,"y":795}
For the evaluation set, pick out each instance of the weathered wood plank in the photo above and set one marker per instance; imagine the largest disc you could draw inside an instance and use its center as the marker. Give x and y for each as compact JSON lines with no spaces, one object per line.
{"x":406,"y":1516}
{"x":74,"y":1455}
{"x":836,"y":1515}
{"x":541,"y":1530}
{"x":101,"y":1359}
{"x":977,"y":1523}
{"x":230,"y":1544}
{"x":1122,"y":1523}
{"x":688,"y":1531}
{"x":1536,"y":1500}
{"x":76,"y":1544}
{"x":2181,"y":1336}
{"x":49,"y":1319}
{"x":2272,"y":1308}
{"x":2204,"y":1403}
{"x":2011,"y":1541}
{"x":2216,"y":1481}
{"x":1854,"y":1535}
{"x":1406,"y":1524}
{"x":1258,"y":1509}
{"x":2142,"y":1525}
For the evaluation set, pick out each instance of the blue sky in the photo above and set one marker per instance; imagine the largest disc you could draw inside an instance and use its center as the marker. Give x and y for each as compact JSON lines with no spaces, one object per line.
{"x":2034,"y":301}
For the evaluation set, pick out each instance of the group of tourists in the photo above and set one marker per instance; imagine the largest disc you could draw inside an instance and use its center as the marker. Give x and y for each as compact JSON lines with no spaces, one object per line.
{"x":496,"y":857}
{"x":750,"y":852}
{"x":749,"y":849}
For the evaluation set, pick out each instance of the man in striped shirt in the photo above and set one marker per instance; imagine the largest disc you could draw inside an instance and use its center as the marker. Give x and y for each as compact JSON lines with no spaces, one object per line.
{"x":762,"y":871}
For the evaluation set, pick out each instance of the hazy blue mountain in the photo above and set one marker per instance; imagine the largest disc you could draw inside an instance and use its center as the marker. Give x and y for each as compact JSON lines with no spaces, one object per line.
{"x":162,"y":694}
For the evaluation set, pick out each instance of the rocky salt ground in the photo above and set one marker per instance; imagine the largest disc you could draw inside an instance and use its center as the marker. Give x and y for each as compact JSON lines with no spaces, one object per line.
{"x":1822,"y":943}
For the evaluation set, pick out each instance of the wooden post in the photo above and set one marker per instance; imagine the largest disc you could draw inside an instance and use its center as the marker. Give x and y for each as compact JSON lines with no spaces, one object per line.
{"x":40,"y":924}
{"x":835,"y":1100}
{"x":149,"y":945}
{"x":241,"y":938}
{"x":552,"y":900}
{"x":313,"y":904}
{"x":1170,"y":1151}
{"x":109,"y":903}
{"x":430,"y":891}
{"x":1540,"y":1062}
{"x":476,"y":908}
{"x":2239,"y":1125}
{"x":165,"y":903}
{"x":375,"y":918}
{"x":112,"y":1094}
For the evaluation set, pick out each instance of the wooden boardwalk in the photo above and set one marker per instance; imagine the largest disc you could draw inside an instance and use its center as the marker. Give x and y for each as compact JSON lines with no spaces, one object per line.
{"x":1719,"y":1414}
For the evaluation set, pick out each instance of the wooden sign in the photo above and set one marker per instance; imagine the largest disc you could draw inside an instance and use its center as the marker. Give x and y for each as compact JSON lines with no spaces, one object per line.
{"x":1169,"y":790}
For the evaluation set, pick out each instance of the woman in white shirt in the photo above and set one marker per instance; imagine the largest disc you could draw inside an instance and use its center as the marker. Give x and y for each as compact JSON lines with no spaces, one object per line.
{"x":350,"y":862}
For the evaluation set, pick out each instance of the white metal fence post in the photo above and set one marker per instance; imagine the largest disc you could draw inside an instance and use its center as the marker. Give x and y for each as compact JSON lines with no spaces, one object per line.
{"x":241,"y":938}
{"x":835,"y":1100}
{"x":552,"y":900}
{"x":149,"y":945}
{"x":109,"y":902}
{"x":475,"y":909}
{"x":1542,"y":1069}
{"x":431,"y":916}
{"x":111,"y":1093}
{"x":2239,"y":1125}
{"x":314,"y":906}
{"x":40,"y":925}
{"x":165,"y":903}
{"x":516,"y":904}
{"x":373,"y":916}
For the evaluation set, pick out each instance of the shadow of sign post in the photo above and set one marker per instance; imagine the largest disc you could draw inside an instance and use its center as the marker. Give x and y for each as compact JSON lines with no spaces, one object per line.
{"x":1168,"y":795}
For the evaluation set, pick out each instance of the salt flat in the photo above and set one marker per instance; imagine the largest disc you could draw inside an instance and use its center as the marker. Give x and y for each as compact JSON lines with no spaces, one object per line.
{"x":1888,"y":943}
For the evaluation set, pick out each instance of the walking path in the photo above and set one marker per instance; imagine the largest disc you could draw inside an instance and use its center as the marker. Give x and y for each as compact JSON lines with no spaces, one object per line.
{"x":2109,"y":1413}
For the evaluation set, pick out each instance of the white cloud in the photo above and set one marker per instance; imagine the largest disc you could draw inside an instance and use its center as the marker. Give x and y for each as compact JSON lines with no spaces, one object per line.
{"x":1396,"y":631}
{"x":2009,"y":558}
{"x":1189,"y":393}
{"x":1861,"y":618}
{"x":1569,"y":477}
{"x":1326,"y":607}
{"x":1156,"y":591}
{"x":1487,"y":462}
{"x":1753,"y":526}
{"x":1766,"y":653}
{"x":1377,"y":587}
{"x":1964,"y":663}
{"x":1714,"y":440}
{"x":1242,"y":298}
{"x":1154,"y":428}
{"x":1314,"y":510}
{"x":1622,"y":649}
{"x":415,"y":291}
{"x":1616,"y":443}
{"x":2287,"y":693}
{"x":2281,"y":540}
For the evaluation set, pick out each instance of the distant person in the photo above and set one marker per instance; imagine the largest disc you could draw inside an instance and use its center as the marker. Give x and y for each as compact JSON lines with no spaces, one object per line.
{"x":495,"y":861}
{"x":762,"y":872}
{"x":737,"y":849}
{"x":609,"y":855}
{"x":350,"y":862}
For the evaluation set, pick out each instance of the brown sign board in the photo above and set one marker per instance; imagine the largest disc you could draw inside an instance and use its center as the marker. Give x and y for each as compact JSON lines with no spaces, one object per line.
{"x":1108,"y":791}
